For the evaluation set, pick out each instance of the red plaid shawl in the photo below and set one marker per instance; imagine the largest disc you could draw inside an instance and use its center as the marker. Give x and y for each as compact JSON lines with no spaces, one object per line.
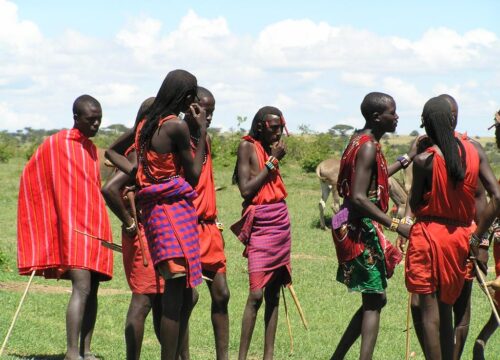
{"x":171,"y":224}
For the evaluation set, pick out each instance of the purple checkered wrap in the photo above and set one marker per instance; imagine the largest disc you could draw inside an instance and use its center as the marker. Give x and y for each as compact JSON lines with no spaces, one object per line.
{"x":171,"y":225}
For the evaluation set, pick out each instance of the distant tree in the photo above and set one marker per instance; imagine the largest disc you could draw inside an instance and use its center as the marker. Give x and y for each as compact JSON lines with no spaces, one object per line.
{"x":305,"y":129}
{"x":414,"y":133}
{"x":117,"y":128}
{"x":241,"y":119}
{"x":342,"y":129}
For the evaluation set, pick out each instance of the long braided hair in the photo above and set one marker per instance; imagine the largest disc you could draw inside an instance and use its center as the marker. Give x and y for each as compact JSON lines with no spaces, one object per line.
{"x":438,"y":120}
{"x":256,"y":129}
{"x":170,"y":100}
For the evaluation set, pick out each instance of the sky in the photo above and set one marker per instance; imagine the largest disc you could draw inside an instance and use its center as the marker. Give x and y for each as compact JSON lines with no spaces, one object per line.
{"x":315,"y":60}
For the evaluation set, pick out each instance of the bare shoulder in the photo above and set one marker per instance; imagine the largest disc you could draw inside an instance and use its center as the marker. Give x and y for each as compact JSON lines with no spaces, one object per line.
{"x":423,"y":160}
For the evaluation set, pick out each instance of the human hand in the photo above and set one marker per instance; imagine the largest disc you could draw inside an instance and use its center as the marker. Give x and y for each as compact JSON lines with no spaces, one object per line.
{"x":278,"y":150}
{"x":199,"y":115}
{"x":482,"y":259}
{"x":401,"y":244}
{"x":404,"y":230}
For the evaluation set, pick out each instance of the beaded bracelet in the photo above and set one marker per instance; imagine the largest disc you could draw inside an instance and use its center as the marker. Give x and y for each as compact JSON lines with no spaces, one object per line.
{"x":394,"y":224}
{"x":474,"y":240}
{"x":404,"y":160}
{"x":269,"y":165}
{"x":274,"y":160}
{"x":408,"y":220}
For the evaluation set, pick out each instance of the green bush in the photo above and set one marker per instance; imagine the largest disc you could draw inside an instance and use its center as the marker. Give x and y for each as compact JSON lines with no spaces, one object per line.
{"x":8,"y":145}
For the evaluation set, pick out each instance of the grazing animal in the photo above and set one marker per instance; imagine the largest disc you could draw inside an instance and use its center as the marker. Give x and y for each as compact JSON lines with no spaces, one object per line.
{"x":328,"y":172}
{"x":106,"y":167}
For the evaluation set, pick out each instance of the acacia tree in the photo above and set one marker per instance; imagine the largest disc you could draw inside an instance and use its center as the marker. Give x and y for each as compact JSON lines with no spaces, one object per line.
{"x":341,"y":128}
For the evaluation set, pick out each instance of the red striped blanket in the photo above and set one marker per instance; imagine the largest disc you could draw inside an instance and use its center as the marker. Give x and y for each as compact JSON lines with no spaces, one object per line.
{"x":265,"y":230}
{"x":60,"y":192}
{"x":171,"y":224}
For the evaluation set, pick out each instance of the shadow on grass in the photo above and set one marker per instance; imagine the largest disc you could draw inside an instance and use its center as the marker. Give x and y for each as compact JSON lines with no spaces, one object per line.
{"x":315,"y":224}
{"x":43,"y":357}
{"x":38,"y":357}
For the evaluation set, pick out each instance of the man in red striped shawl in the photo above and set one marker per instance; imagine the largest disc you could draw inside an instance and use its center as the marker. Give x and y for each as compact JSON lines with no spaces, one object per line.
{"x":265,"y":226}
{"x":60,"y":194}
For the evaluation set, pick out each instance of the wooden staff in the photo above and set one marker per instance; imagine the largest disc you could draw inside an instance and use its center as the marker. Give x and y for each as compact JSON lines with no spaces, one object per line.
{"x":131,"y":200}
{"x":297,"y":304}
{"x":104,"y":242}
{"x":485,"y":288}
{"x":17,"y":313}
{"x":288,"y":321}
{"x":408,"y":307}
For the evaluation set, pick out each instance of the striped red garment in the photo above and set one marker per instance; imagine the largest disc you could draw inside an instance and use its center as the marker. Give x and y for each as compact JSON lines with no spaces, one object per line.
{"x":171,"y":225}
{"x":60,"y":192}
{"x":270,"y":241}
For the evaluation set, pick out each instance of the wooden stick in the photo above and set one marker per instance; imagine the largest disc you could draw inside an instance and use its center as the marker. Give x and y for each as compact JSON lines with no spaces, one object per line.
{"x":483,"y":284}
{"x":105,"y":243}
{"x":288,"y":321}
{"x":408,"y":312}
{"x":131,"y":200}
{"x":17,"y":312}
{"x":297,"y":304}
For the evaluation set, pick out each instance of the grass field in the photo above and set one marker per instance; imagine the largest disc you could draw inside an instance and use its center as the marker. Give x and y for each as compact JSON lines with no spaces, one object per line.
{"x":40,"y":330}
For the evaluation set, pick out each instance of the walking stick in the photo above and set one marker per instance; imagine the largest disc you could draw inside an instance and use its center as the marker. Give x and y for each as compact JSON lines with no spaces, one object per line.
{"x":131,"y":199}
{"x":104,"y":242}
{"x":17,"y":312}
{"x":407,"y":353}
{"x":288,"y":321}
{"x":297,"y":304}
{"x":485,"y":288}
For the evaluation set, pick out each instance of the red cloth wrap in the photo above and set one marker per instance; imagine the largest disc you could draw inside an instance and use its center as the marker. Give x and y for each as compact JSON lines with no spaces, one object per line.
{"x":273,"y":190}
{"x":437,"y":254}
{"x":60,"y":192}
{"x":348,"y":244}
{"x":170,"y":224}
{"x":496,"y":256}
{"x":141,"y":279}
{"x":212,"y":248}
{"x":161,"y":166}
{"x":211,"y":242}
{"x":264,"y":228}
{"x":347,"y":171}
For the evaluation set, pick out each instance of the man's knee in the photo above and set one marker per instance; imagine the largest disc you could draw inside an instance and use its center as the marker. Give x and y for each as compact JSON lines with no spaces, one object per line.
{"x":220,"y":294}
{"x":374,"y":301}
{"x":255,"y":298}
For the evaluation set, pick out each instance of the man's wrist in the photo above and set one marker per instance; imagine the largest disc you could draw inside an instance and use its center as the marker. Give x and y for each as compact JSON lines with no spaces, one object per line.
{"x":404,"y":160}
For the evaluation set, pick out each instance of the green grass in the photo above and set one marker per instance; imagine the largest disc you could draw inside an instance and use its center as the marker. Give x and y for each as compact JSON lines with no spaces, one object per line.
{"x":40,"y":330}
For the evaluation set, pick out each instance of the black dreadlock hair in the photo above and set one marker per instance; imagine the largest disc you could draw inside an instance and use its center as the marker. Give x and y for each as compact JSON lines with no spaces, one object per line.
{"x":169,"y":101}
{"x":143,"y":109}
{"x":256,"y":129}
{"x":437,"y":119}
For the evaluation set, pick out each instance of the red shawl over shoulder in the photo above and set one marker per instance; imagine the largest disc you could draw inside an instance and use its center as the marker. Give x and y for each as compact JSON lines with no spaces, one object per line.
{"x":60,"y":192}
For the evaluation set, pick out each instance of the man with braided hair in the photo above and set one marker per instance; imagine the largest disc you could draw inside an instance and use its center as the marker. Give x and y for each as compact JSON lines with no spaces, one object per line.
{"x":443,"y":196}
{"x":265,"y":226}
{"x":167,"y":174}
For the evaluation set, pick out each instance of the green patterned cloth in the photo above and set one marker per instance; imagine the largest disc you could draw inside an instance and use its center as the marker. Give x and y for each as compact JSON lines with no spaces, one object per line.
{"x":366,"y":273}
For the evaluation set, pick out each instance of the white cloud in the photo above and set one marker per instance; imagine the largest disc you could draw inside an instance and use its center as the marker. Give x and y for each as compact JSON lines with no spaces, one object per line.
{"x":358,"y":79}
{"x":12,"y":120}
{"x":311,"y":70}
